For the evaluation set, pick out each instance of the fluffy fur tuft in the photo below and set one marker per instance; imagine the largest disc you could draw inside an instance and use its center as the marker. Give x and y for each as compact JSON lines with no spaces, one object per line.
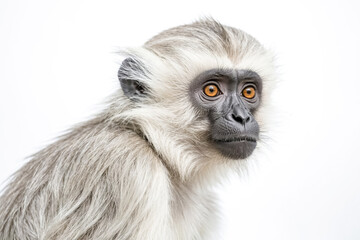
{"x":143,"y":168}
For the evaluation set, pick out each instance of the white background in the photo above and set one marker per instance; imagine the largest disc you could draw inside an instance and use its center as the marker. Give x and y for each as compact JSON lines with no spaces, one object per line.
{"x":58,"y":62}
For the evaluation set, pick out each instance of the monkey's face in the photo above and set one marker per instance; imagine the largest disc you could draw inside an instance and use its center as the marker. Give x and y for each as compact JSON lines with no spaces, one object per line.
{"x":229,"y":98}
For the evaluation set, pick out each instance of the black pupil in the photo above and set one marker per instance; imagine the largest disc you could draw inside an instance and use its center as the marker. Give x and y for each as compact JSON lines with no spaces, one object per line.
{"x":211,"y":89}
{"x":248,"y":91}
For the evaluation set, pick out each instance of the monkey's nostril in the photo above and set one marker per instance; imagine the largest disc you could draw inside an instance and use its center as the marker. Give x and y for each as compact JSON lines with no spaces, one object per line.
{"x":238,"y":118}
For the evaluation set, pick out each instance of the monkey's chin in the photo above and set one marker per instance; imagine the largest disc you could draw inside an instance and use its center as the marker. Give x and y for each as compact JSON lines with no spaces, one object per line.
{"x":236,"y":149}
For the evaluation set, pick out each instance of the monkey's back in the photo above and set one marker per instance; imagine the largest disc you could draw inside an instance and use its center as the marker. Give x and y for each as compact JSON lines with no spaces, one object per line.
{"x":86,"y":185}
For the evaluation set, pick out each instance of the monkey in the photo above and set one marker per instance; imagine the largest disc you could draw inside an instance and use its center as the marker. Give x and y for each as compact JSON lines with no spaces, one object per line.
{"x":190,"y":109}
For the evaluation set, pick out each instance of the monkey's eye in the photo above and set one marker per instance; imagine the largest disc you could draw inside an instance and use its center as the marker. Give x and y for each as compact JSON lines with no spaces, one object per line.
{"x":249,"y":92}
{"x":211,"y":90}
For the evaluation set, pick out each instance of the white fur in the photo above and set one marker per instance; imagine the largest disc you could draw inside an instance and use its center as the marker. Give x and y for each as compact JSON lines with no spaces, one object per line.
{"x":143,"y":168}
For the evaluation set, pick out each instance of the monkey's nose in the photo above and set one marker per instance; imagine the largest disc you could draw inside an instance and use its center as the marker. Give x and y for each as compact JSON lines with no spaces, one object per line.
{"x":241,"y":119}
{"x":240,"y":114}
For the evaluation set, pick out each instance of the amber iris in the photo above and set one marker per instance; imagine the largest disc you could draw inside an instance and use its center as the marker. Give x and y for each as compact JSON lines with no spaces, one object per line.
{"x":211,"y":90}
{"x":249,"y":92}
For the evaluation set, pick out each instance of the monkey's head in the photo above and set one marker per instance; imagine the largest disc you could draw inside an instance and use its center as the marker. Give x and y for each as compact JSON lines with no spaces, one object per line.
{"x":196,"y":93}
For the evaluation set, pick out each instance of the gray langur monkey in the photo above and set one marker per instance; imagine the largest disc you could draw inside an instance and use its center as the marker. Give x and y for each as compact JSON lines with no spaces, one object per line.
{"x":190,"y":109}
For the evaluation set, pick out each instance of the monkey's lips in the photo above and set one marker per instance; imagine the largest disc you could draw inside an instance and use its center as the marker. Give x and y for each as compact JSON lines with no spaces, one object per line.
{"x":238,"y":147}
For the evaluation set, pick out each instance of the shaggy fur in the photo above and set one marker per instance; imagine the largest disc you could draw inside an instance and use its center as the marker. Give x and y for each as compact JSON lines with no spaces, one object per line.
{"x":143,"y":168}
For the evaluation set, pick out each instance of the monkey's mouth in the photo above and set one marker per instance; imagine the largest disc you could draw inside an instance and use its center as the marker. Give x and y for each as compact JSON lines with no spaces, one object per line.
{"x":236,"y":139}
{"x":238,"y":147}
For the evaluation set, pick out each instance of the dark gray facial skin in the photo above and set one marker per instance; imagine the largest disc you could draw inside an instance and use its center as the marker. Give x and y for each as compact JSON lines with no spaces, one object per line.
{"x":233,"y":128}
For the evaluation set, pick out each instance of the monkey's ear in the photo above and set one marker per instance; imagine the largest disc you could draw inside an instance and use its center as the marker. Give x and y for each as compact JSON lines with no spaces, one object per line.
{"x":131,"y":70}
